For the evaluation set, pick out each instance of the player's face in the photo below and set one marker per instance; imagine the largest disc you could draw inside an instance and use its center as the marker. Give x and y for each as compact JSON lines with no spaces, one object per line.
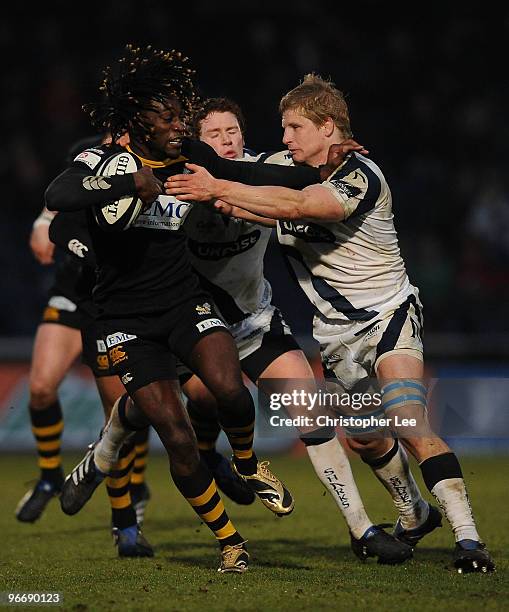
{"x":222,"y":132}
{"x":305,"y":141}
{"x":166,"y":129}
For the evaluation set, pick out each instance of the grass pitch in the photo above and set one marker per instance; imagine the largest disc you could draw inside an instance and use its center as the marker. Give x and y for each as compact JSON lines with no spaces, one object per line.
{"x":302,"y":562}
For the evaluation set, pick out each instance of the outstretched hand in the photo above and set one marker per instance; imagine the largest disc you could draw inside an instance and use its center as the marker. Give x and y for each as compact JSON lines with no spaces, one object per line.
{"x":337,"y":155}
{"x":148,"y":187}
{"x":198,"y":186}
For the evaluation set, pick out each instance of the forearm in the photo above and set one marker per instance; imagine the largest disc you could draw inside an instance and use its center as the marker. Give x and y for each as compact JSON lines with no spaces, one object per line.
{"x":69,"y":231}
{"x":294,"y":177}
{"x":45,"y":218}
{"x":76,"y":190}
{"x":263,"y":201}
{"x":240,"y":213}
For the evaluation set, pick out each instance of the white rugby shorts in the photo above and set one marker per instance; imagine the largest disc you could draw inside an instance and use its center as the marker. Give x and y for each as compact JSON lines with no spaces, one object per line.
{"x":352,"y":350}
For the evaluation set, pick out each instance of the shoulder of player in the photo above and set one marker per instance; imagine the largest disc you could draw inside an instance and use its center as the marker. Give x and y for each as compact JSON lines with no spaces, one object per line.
{"x":356,"y":162}
{"x":93,"y":156}
{"x":282,"y":158}
{"x":80,"y":145}
{"x":360,"y":171}
{"x":359,"y":185}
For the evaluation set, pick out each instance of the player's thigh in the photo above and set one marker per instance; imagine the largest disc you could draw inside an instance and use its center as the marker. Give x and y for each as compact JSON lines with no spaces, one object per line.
{"x":202,"y":341}
{"x":56,"y":348}
{"x":267,"y":348}
{"x":290,"y":374}
{"x":215,"y":359}
{"x":291,"y":364}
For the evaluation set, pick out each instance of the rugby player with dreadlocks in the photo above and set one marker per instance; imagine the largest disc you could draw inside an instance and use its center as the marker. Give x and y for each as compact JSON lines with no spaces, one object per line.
{"x":150,"y":303}
{"x":57,"y":345}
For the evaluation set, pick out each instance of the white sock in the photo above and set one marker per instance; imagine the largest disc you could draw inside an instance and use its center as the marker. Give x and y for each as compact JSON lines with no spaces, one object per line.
{"x":398,"y":480}
{"x":452,"y":496}
{"x":333,"y":469}
{"x":114,"y":435}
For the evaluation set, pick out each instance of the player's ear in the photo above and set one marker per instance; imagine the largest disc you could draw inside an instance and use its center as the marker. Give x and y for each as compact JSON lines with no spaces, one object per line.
{"x":328,"y":127}
{"x":124,"y":140}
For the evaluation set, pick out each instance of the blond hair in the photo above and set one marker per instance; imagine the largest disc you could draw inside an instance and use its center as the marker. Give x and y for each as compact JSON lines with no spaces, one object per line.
{"x":317,"y":100}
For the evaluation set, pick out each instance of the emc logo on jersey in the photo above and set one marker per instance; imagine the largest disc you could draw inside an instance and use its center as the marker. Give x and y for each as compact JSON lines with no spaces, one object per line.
{"x":163,"y":207}
{"x":309,"y":232}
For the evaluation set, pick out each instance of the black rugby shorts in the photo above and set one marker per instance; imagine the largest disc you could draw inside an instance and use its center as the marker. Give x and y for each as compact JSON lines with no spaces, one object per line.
{"x":66,"y":313}
{"x":143,"y":349}
{"x":274,"y":344}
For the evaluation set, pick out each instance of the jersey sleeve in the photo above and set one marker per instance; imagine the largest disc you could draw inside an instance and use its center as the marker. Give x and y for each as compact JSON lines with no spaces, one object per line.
{"x":69,"y":231}
{"x":78,"y":187}
{"x":294,"y":177}
{"x":355,"y":186}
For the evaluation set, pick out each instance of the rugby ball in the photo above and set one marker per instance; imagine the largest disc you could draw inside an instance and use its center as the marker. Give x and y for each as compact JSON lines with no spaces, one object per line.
{"x":121,"y":214}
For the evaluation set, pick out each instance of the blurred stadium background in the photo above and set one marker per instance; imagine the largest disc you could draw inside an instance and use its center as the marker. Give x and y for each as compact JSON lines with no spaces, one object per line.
{"x":427,"y":90}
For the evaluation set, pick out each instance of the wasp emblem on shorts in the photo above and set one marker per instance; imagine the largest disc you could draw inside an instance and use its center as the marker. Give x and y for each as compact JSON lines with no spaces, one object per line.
{"x":204,"y":309}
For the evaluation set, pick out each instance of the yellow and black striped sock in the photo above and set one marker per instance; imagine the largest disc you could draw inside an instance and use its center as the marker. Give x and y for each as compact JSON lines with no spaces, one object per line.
{"x":117,"y":485}
{"x":205,"y":425}
{"x":47,"y":426}
{"x":238,"y":423}
{"x":140,"y":438}
{"x":200,"y":491}
{"x":241,"y":441}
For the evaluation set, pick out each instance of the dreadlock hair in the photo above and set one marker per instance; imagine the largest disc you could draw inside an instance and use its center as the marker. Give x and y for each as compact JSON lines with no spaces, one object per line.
{"x":142,"y":77}
{"x":217,"y":105}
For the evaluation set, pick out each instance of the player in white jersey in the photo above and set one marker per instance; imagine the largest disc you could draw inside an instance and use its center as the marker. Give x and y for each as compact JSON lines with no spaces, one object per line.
{"x":228,"y":255}
{"x":340,"y":239}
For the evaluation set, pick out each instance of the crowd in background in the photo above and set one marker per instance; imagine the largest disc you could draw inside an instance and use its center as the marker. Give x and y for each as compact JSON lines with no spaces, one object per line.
{"x":426,"y":92}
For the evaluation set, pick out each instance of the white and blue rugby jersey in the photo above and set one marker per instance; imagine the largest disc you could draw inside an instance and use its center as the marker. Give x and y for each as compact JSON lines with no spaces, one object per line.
{"x":350,"y":270}
{"x":228,"y":255}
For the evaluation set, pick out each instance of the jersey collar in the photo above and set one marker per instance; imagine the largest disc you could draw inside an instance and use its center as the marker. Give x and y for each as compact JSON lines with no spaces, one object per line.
{"x":157,"y":164}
